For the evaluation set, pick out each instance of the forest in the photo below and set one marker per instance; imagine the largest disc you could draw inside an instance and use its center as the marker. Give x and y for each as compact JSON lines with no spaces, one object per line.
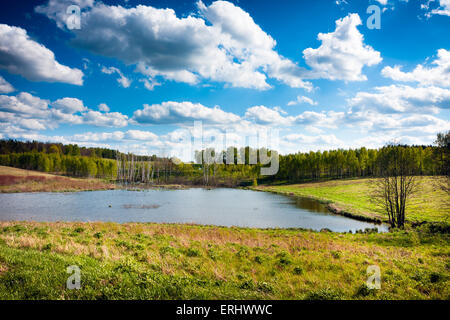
{"x":78,"y":161}
{"x":70,"y":165}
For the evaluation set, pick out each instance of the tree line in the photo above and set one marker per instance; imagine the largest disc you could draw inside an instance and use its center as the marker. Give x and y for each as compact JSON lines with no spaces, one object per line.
{"x":299,"y":167}
{"x":16,"y":146}
{"x":362,"y":162}
{"x":76,"y":166}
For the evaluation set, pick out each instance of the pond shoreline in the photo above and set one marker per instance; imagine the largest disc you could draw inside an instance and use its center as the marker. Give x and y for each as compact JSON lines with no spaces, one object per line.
{"x":221,"y":207}
{"x":329,"y":204}
{"x":25,"y":181}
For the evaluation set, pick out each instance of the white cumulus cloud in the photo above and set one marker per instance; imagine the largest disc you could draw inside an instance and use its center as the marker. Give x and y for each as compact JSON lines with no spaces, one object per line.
{"x":402,"y":99}
{"x":342,"y":54}
{"x":5,"y":86}
{"x":107,"y":119}
{"x":103,"y":107}
{"x":21,"y":55}
{"x":439,"y":75}
{"x":180,"y":112}
{"x":302,"y":99}
{"x":69,"y":105}
{"x":222,"y":43}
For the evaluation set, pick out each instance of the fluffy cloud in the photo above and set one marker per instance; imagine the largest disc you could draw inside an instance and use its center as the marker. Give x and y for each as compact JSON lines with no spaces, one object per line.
{"x":302,"y":99}
{"x":103,"y":107}
{"x":434,"y":76}
{"x":5,"y":86}
{"x":21,"y":55}
{"x":330,"y":119}
{"x":299,"y":142}
{"x":373,"y":121}
{"x":443,"y":9}
{"x":57,"y":9}
{"x":342,"y":54}
{"x":402,"y":99}
{"x":140,"y":135}
{"x":328,"y":140}
{"x":24,"y":112}
{"x":223,"y":44}
{"x":69,"y":105}
{"x":181,"y":112}
{"x":150,"y":84}
{"x":122,"y":80}
{"x":24,"y":104}
{"x":27,"y":112}
{"x":137,"y":135}
{"x":246,"y":41}
{"x":264,"y":115}
{"x":107,"y":119}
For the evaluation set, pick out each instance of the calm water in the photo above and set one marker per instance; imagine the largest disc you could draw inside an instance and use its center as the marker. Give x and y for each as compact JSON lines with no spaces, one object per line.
{"x":223,"y":207}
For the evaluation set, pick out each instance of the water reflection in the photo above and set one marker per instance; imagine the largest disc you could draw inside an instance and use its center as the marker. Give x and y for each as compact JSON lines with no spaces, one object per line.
{"x":222,"y":207}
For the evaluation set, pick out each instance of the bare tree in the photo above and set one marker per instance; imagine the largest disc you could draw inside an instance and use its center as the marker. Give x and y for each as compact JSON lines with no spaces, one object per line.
{"x":397,"y":182}
{"x":443,"y":156}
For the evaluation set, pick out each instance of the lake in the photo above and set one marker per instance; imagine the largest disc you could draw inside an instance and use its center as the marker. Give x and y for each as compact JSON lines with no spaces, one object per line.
{"x":221,"y":207}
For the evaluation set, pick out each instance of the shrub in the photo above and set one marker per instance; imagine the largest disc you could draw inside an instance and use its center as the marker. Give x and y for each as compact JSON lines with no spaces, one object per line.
{"x":47,"y":247}
{"x":324,"y":294}
{"x":16,"y":228}
{"x":436,"y":277}
{"x":247,"y":285}
{"x":417,"y":276}
{"x":259,"y":259}
{"x":265,"y":287}
{"x":336,"y":254}
{"x":167,"y":250}
{"x":364,"y":291}
{"x":212,"y":254}
{"x":298,"y":270}
{"x":98,"y":235}
{"x":78,"y":230}
{"x":435,"y":227}
{"x":242,"y":252}
{"x":284,"y":258}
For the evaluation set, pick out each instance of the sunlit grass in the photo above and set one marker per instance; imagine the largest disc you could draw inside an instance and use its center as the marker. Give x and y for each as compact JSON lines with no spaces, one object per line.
{"x":19,"y":180}
{"x":429,"y":203}
{"x":158,"y":261}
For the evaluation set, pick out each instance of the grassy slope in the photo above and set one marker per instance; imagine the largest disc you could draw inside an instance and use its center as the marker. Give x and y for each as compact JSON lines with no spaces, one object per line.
{"x":429,"y":204}
{"x":154,"y":261}
{"x":19,"y":180}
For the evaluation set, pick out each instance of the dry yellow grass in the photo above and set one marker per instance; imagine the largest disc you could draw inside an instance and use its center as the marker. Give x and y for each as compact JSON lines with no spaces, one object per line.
{"x":19,"y":180}
{"x":21,"y":172}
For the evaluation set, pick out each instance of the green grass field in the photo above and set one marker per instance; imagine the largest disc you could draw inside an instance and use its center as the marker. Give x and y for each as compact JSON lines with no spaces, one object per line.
{"x":428,"y":204}
{"x":157,"y":261}
{"x":176,"y":261}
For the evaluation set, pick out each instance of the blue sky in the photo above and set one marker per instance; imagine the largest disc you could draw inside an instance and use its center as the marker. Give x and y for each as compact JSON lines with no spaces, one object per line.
{"x":137,"y":74}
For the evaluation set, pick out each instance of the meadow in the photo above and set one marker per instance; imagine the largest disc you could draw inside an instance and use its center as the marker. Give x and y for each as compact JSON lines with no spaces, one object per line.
{"x":429,"y":203}
{"x":180,"y":261}
{"x":172,"y":261}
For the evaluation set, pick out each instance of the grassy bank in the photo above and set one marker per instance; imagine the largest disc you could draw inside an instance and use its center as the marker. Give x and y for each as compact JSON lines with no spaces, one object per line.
{"x":154,"y":261}
{"x":19,"y":180}
{"x":353,"y":196}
